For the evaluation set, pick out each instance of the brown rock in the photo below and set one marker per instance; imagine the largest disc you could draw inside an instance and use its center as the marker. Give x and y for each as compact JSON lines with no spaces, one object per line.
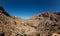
{"x":45,"y":24}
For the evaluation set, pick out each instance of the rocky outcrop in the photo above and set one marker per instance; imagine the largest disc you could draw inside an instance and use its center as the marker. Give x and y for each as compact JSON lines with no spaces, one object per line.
{"x":45,"y":24}
{"x":8,"y":25}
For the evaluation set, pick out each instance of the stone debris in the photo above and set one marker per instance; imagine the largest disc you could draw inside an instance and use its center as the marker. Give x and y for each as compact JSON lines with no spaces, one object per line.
{"x":45,"y":24}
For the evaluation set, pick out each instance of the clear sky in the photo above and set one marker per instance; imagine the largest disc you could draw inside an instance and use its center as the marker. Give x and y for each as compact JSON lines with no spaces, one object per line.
{"x":28,"y":8}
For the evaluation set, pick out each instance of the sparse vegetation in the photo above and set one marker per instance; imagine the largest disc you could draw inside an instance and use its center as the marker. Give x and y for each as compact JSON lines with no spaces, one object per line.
{"x":29,"y":25}
{"x":47,"y":24}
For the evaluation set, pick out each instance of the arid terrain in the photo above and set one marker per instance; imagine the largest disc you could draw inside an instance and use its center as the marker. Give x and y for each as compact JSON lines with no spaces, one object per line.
{"x":44,"y":24}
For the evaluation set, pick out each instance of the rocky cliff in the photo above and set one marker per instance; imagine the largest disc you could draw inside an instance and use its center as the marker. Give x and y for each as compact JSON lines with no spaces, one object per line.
{"x":45,"y":24}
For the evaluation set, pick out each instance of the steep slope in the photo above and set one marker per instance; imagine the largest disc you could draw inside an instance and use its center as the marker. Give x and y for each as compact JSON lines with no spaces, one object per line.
{"x":45,"y":24}
{"x":9,"y":26}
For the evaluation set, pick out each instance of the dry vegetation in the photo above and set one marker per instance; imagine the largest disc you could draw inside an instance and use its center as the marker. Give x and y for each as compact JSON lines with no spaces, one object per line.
{"x":45,"y":24}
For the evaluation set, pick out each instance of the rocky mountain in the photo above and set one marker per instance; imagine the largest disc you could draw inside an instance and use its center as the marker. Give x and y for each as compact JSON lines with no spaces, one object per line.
{"x":45,"y":24}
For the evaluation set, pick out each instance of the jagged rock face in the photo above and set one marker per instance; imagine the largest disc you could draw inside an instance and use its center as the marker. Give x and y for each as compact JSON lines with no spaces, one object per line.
{"x":8,"y":25}
{"x":45,"y":24}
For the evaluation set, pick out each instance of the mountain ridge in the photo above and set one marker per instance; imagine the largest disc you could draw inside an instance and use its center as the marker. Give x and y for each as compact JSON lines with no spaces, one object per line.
{"x":45,"y":24}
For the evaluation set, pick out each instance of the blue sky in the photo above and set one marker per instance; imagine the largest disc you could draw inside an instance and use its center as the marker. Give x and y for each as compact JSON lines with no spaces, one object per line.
{"x":28,"y":8}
